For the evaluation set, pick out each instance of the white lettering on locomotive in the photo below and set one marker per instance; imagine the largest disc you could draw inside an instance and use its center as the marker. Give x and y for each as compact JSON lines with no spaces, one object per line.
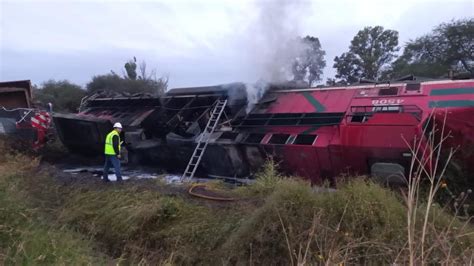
{"x":387,"y":102}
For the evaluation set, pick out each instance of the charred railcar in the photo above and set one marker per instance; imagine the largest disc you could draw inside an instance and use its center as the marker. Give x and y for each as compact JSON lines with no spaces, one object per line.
{"x":315,"y":133}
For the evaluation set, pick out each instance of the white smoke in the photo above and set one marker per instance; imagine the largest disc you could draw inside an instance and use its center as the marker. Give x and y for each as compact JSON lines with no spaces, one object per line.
{"x":255,"y":92}
{"x":277,"y":27}
{"x":274,"y":45}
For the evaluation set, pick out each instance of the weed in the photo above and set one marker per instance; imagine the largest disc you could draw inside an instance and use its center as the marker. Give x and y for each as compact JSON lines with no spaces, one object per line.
{"x":425,"y":223}
{"x":280,"y":221}
{"x":26,"y":238}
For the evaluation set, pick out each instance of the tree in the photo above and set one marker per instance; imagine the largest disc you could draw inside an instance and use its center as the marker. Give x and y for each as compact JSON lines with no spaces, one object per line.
{"x":143,"y":72}
{"x":370,"y":53}
{"x":131,"y":68}
{"x":450,"y":46}
{"x":115,"y":83}
{"x":64,"y":95}
{"x":131,"y":82}
{"x":309,"y":64}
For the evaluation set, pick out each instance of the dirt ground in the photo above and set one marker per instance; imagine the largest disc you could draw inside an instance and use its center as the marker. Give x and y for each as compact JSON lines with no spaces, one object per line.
{"x":90,"y":178}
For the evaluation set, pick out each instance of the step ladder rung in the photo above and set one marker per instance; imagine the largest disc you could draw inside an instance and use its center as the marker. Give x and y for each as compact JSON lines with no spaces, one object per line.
{"x":203,"y":140}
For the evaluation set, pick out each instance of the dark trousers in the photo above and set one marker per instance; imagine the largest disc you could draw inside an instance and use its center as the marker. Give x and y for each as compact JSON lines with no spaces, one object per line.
{"x":112,"y":161}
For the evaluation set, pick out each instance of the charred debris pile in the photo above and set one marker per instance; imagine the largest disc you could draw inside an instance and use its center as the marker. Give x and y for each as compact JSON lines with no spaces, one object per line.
{"x":162,"y":131}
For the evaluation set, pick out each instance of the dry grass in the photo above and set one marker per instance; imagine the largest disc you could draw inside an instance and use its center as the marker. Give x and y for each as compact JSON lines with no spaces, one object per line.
{"x":282,"y":221}
{"x":26,"y":236}
{"x":428,"y":240}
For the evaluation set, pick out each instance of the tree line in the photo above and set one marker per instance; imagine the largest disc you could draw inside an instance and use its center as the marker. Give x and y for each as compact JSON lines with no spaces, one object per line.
{"x":373,"y":54}
{"x":66,"y":96}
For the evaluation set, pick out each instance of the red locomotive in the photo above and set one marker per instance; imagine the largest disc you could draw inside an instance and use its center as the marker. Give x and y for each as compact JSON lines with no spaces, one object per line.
{"x":316,"y":133}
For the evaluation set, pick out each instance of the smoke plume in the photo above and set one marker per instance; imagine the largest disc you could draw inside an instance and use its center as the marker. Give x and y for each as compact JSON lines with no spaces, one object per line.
{"x":274,"y":45}
{"x":277,"y":27}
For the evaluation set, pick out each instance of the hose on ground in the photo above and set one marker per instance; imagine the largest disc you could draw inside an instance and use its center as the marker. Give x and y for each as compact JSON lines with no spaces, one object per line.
{"x":191,"y":192}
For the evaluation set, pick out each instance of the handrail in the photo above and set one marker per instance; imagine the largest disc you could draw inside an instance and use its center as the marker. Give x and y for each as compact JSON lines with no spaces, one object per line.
{"x":369,"y":110}
{"x":26,"y":110}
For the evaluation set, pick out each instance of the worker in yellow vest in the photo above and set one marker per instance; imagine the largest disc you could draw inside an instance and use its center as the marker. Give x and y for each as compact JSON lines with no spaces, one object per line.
{"x":112,"y":152}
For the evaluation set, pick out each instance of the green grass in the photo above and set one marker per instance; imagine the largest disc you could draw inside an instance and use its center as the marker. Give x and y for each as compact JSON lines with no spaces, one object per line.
{"x":279,"y":221}
{"x":26,"y":238}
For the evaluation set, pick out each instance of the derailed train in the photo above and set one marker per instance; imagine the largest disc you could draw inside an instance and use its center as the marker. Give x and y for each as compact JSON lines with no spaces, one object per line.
{"x":315,"y":133}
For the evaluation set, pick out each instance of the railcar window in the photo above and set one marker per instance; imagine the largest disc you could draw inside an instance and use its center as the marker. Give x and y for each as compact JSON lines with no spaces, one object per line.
{"x":254,"y":138}
{"x":279,"y":138}
{"x":413,"y":87}
{"x":388,"y":92}
{"x":305,"y":139}
{"x":359,"y":118}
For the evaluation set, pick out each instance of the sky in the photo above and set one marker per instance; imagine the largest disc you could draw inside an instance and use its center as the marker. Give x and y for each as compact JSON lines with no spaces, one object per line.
{"x":194,"y":43}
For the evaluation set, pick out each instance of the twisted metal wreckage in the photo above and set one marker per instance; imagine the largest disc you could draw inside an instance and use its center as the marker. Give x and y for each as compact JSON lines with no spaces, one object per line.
{"x":19,"y":118}
{"x":316,"y":133}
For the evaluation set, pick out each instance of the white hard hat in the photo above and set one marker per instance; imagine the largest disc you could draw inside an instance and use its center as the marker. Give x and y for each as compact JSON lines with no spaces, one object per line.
{"x":118,"y":125}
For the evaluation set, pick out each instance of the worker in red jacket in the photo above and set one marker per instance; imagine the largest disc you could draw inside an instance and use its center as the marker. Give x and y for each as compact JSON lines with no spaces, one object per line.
{"x":112,"y":153}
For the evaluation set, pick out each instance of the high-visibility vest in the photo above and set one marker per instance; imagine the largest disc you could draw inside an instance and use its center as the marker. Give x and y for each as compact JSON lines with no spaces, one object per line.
{"x":109,"y":144}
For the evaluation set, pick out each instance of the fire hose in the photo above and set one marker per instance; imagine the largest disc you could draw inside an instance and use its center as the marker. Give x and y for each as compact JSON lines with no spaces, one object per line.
{"x":216,"y":198}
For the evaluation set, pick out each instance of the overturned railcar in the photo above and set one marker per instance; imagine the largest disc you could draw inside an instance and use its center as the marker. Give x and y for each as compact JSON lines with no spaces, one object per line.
{"x":159,"y":131}
{"x":315,"y":133}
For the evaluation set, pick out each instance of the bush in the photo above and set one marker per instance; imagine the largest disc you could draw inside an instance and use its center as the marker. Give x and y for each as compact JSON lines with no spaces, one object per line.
{"x":64,"y":95}
{"x":359,"y":220}
{"x":115,"y":83}
{"x":25,"y":237}
{"x":279,"y":221}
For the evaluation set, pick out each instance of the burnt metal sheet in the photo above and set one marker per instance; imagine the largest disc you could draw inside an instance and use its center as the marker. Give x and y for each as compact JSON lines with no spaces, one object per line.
{"x":225,"y":89}
{"x":15,"y":94}
{"x":85,"y":135}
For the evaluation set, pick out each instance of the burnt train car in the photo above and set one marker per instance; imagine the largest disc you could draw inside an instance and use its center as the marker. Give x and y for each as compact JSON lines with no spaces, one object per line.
{"x":315,"y":133}
{"x":159,"y":131}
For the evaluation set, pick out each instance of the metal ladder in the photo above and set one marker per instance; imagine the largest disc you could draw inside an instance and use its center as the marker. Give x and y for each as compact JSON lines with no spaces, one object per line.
{"x":204,"y":140}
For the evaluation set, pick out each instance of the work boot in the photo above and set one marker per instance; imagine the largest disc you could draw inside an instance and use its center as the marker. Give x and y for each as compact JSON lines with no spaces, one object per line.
{"x":106,"y":180}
